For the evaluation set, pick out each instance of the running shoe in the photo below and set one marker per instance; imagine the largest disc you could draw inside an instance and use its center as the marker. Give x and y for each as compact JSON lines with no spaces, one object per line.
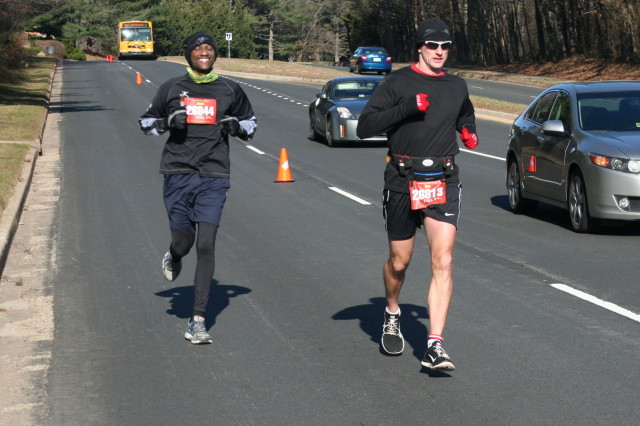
{"x":437,"y":359}
{"x":392,"y":340}
{"x":196,"y":331}
{"x":171,"y":269}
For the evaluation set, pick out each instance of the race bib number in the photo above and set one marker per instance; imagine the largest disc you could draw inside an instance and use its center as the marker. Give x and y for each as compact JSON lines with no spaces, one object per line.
{"x":200,"y":111}
{"x":424,"y":194}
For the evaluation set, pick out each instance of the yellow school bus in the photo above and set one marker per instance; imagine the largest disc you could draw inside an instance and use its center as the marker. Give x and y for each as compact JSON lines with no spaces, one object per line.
{"x":135,"y":39}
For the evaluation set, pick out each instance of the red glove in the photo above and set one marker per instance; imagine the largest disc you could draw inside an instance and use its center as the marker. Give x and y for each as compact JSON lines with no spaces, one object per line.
{"x":422,"y":102}
{"x":470,"y":139}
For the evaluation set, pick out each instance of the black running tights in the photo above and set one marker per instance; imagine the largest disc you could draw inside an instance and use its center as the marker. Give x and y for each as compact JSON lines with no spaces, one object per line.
{"x":181,"y":243}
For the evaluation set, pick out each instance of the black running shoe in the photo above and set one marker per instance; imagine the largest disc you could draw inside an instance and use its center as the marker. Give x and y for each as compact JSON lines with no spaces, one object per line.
{"x":437,"y":359}
{"x":392,"y":340}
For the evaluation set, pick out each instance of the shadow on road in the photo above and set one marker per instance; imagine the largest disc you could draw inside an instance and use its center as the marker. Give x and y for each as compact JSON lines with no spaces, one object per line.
{"x":181,"y":300}
{"x":414,"y":331}
{"x":560,"y":217}
{"x":371,"y":317}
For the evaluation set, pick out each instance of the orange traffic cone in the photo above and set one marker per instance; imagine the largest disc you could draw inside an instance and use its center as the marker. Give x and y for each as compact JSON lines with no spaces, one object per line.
{"x":284,"y":172}
{"x":138,"y":78}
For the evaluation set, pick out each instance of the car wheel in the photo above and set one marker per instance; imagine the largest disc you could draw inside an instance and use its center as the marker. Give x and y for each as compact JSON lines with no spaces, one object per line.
{"x":312,"y":131}
{"x":577,"y":205}
{"x":358,"y":69}
{"x":517,"y":203}
{"x":328,"y":134}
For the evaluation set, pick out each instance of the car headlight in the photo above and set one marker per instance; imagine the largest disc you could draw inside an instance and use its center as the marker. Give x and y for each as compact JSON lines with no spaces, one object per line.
{"x":614,"y":163}
{"x":344,"y":112}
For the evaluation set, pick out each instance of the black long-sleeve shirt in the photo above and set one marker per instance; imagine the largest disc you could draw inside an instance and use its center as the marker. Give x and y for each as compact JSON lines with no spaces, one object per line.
{"x":391,"y":108}
{"x":200,"y":148}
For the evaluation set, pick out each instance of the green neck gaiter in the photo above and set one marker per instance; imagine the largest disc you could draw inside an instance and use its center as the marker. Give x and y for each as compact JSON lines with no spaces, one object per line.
{"x":207,"y":78}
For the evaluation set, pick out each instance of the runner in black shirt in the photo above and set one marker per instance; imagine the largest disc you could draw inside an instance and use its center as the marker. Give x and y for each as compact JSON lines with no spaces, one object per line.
{"x":200,"y":111}
{"x":421,"y":108}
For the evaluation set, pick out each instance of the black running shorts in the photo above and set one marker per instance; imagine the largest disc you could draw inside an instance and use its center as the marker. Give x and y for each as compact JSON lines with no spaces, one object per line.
{"x":401,"y":222}
{"x":190,"y":198}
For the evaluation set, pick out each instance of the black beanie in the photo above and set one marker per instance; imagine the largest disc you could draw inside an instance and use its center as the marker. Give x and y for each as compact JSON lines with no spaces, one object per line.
{"x":196,"y":40}
{"x":432,"y":29}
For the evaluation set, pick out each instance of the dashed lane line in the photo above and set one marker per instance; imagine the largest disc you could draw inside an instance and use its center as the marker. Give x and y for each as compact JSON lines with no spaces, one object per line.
{"x":349,"y":195}
{"x":596,"y":301}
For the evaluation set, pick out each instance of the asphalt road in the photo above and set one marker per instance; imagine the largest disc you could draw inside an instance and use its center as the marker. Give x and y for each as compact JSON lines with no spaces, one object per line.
{"x":297,"y":303}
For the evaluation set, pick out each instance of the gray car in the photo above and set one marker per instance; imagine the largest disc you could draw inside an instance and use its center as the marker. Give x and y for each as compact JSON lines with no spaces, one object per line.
{"x":334,"y":114}
{"x":577,"y":146}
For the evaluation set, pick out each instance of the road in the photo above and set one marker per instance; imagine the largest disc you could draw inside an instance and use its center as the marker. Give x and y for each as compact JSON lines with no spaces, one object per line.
{"x":297,"y":302}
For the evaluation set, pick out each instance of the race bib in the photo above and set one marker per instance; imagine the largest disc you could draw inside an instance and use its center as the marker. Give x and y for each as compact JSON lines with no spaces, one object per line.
{"x":200,"y":111}
{"x":424,"y":194}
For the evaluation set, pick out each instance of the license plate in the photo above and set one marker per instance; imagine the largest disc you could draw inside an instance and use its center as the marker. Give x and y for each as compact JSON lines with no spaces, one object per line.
{"x":377,"y":60}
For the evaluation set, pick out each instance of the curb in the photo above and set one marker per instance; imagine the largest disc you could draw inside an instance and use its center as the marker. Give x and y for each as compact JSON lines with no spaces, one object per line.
{"x":10,"y":217}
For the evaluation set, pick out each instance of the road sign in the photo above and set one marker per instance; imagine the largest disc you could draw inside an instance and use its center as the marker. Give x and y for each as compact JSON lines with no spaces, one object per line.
{"x":229,"y":37}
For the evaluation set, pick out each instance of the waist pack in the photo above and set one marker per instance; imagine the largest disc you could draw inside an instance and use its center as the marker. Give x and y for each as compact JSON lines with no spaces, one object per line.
{"x":423,"y":168}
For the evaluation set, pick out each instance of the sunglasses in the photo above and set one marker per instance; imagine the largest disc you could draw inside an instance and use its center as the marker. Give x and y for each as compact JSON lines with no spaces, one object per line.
{"x":433,"y":45}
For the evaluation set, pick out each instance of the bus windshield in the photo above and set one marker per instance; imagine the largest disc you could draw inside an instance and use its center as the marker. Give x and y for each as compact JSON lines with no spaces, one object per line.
{"x":136,"y":34}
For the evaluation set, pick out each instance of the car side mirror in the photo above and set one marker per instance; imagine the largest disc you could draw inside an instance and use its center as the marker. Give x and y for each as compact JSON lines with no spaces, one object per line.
{"x":554,"y":128}
{"x":321,"y":95}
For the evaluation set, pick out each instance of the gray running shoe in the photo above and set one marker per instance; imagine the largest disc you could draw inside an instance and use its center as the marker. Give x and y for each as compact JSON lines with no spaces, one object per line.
{"x":196,"y":332}
{"x":171,"y":269}
{"x":392,"y":340}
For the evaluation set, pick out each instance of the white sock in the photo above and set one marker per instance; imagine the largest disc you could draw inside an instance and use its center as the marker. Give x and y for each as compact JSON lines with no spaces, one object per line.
{"x":392,"y":313}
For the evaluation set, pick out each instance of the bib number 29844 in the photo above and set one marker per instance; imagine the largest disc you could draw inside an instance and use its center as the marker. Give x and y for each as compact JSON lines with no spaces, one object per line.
{"x":424,"y":194}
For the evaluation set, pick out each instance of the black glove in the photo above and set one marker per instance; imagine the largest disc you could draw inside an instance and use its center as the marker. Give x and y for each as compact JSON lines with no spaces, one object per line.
{"x":177,"y":120}
{"x":233,"y":127}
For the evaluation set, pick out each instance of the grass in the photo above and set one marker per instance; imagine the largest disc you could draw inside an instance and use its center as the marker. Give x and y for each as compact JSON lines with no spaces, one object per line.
{"x":23,"y":109}
{"x":494,"y":105}
{"x":23,"y":105}
{"x":11,"y":161}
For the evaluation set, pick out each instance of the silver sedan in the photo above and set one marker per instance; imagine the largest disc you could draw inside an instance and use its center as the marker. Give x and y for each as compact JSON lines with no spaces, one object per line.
{"x":577,"y":146}
{"x":335,"y":111}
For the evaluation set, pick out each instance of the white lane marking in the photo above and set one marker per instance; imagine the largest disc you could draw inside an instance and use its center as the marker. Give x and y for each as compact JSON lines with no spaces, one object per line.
{"x":481,"y":154}
{"x":599,"y":302}
{"x":254,"y":149}
{"x":351,"y":196}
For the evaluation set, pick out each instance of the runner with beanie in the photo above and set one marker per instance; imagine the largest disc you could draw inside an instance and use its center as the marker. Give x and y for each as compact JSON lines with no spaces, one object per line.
{"x":421,"y":108}
{"x":200,"y":111}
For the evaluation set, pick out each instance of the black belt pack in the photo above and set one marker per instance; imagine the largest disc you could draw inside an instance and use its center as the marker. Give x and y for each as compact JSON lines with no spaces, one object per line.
{"x":423,"y":168}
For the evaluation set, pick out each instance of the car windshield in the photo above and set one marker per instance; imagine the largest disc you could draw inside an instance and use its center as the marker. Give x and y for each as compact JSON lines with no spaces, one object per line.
{"x":612,"y":112}
{"x":354,"y":89}
{"x":375,"y":52}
